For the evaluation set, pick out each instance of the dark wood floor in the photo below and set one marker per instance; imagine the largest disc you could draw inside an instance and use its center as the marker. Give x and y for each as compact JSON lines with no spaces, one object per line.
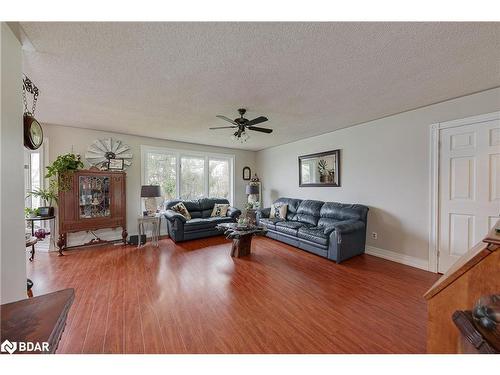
{"x":194,"y":298}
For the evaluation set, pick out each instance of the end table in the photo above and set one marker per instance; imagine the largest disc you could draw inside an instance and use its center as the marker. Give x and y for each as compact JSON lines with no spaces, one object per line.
{"x":154,"y":221}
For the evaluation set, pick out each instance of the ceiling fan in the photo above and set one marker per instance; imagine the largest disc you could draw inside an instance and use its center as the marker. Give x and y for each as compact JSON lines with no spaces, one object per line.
{"x":242,"y":124}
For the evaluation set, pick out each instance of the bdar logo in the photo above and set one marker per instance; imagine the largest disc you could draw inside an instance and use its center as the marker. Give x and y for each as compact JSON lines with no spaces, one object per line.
{"x":8,"y":346}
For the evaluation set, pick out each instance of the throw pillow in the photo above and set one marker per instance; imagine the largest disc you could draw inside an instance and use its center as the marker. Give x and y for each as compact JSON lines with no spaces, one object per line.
{"x":278,"y":211}
{"x":180,"y":208}
{"x":220,"y":209}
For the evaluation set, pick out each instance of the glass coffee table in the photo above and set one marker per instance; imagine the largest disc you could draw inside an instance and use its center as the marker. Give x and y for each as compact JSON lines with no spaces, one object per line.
{"x":241,"y":236}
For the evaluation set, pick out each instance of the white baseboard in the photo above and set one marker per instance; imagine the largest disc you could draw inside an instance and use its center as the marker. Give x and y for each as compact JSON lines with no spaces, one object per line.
{"x":398,"y":257}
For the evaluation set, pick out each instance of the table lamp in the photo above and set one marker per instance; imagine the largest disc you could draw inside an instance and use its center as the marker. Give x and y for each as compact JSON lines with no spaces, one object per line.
{"x":150,"y":192}
{"x":252,"y":191}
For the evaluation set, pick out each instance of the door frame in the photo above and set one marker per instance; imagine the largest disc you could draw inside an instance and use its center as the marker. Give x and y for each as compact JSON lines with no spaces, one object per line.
{"x":435,"y":141}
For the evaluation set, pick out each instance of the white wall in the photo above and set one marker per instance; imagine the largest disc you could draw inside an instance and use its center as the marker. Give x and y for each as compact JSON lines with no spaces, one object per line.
{"x":64,"y":139}
{"x":12,"y":245}
{"x":384,"y":165}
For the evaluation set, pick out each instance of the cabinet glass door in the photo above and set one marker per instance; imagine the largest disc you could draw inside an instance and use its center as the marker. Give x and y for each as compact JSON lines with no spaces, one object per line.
{"x":94,"y":197}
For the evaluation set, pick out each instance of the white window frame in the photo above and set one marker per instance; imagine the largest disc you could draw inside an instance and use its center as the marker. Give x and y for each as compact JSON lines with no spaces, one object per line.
{"x":179,"y":153}
{"x":43,"y":151}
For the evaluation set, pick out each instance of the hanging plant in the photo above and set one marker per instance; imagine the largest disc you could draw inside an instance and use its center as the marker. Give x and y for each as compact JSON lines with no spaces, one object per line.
{"x":61,"y":170}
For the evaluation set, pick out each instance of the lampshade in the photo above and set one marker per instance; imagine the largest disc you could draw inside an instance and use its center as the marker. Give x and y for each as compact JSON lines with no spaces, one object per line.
{"x":252,"y":189}
{"x":150,"y":191}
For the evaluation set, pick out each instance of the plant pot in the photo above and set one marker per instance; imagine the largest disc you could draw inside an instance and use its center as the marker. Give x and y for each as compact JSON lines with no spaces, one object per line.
{"x":46,"y":211}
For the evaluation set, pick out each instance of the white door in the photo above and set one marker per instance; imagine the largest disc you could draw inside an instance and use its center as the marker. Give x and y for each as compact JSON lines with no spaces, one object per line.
{"x":469,"y":187}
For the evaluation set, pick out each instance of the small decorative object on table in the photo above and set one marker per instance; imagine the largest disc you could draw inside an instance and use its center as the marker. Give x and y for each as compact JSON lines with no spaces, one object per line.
{"x":32,"y":220}
{"x":241,"y":234}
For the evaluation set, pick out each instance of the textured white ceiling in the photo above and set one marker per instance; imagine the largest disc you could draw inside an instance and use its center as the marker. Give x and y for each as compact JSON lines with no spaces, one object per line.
{"x":169,"y":80}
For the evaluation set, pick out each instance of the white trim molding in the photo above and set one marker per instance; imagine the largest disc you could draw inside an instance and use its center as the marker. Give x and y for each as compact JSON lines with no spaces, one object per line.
{"x":398,"y":257}
{"x":435,"y":131}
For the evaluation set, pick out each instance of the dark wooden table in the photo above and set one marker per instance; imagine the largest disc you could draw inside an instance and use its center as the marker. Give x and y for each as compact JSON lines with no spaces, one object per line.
{"x":36,"y":320}
{"x":242,"y":237}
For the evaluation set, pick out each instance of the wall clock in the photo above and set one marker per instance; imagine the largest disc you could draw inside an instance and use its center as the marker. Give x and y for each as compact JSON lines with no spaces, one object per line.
{"x":102,"y":151}
{"x":33,"y":133}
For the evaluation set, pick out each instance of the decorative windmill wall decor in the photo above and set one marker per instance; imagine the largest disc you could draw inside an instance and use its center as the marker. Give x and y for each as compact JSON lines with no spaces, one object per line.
{"x":102,"y":151}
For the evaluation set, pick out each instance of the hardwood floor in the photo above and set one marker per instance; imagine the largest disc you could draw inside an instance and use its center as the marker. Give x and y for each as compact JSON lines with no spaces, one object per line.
{"x":194,"y":298}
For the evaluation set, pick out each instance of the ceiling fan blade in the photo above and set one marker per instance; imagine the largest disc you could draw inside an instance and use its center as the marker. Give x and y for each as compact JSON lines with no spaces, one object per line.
{"x":227,"y":119}
{"x":224,"y":127}
{"x":257,"y":129}
{"x":256,"y":121}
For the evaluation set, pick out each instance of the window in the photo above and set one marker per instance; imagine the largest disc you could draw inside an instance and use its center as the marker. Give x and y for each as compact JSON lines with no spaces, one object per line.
{"x":160,"y":169}
{"x":32,"y":177}
{"x":192,"y":177}
{"x":218,"y":178}
{"x":187,"y":174}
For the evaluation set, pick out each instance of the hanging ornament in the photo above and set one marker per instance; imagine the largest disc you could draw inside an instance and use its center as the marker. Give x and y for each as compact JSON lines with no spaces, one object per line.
{"x":33,"y":133}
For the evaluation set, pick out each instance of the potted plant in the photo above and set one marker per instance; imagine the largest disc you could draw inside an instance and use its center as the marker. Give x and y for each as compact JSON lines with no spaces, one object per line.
{"x":31,"y":212}
{"x":325,"y":174}
{"x":61,"y":169}
{"x":48,"y":196}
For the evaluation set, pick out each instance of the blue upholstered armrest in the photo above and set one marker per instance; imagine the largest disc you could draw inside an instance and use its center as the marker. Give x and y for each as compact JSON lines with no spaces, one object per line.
{"x":264,"y":212}
{"x":233,"y":212}
{"x":171,"y":215}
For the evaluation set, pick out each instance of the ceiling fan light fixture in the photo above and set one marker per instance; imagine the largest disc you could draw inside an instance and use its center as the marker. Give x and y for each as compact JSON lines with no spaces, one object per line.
{"x":242,"y":125}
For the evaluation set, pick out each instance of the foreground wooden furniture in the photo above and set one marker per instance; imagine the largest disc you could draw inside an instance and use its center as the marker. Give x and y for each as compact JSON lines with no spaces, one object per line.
{"x":97,"y":200}
{"x":37,"y":320}
{"x":475,"y":274}
{"x":242,"y":237}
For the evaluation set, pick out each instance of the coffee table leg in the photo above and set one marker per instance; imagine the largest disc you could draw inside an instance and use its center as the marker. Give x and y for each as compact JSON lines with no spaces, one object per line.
{"x":241,"y":246}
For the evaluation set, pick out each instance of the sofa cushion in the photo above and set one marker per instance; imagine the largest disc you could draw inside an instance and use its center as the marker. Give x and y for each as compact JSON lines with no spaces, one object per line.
{"x":192,"y":206}
{"x":292,"y":205}
{"x":313,"y":234}
{"x":220,"y":210}
{"x":309,"y":211}
{"x":278,"y":211}
{"x":289,"y":227}
{"x":181,"y":209}
{"x":205,"y":223}
{"x":269,"y":223}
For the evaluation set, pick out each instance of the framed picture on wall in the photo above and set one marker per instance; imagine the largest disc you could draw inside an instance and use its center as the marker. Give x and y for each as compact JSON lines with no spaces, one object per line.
{"x":115,"y":164}
{"x":320,"y":169}
{"x":247,"y":173}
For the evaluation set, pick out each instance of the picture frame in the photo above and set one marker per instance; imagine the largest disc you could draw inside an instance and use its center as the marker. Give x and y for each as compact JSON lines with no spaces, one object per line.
{"x":247,"y":173}
{"x":116,"y":165}
{"x":321,"y":169}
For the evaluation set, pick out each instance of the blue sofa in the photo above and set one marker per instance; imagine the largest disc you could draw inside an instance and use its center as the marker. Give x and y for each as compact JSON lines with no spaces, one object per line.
{"x":201,"y":224}
{"x":332,"y":230}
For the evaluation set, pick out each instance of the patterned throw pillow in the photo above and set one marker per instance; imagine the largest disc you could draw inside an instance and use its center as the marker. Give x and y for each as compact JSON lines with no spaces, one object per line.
{"x":180,"y":208}
{"x":278,"y":211}
{"x":220,"y":209}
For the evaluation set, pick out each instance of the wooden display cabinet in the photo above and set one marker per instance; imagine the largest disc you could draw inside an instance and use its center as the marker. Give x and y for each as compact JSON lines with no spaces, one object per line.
{"x":97,"y":200}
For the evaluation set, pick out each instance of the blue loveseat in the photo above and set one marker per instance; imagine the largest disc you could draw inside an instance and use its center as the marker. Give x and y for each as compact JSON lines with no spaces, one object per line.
{"x":201,"y":224}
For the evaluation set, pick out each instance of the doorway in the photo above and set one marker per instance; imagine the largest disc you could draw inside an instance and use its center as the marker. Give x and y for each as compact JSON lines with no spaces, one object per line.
{"x":465,"y":187}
